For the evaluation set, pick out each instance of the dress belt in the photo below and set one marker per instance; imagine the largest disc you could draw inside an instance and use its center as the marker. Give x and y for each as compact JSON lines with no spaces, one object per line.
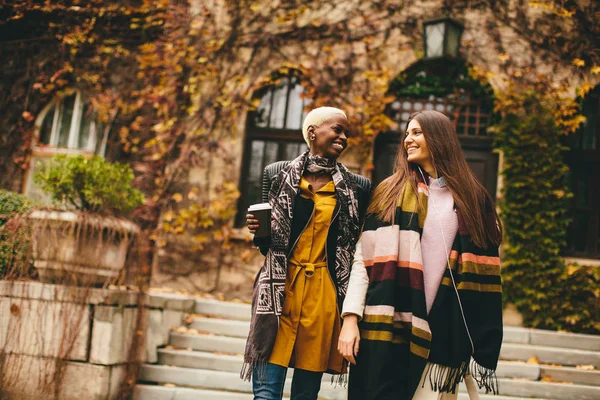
{"x":309,"y":269}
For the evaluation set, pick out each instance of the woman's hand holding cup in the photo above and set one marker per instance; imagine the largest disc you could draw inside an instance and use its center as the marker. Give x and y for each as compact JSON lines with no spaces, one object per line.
{"x":252,"y":223}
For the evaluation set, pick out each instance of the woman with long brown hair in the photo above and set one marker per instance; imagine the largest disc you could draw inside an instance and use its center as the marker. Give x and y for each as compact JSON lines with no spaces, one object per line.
{"x":425,"y":280}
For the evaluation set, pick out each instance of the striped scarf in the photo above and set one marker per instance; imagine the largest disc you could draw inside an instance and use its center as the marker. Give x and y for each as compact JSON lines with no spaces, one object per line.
{"x":398,"y":338}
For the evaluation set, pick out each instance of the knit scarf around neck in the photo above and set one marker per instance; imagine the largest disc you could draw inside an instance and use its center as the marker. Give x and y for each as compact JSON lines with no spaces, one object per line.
{"x":269,"y":287}
{"x":398,"y":338}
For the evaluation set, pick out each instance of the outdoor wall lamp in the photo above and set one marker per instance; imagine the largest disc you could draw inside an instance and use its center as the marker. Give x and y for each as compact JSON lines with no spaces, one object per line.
{"x":442,"y":37}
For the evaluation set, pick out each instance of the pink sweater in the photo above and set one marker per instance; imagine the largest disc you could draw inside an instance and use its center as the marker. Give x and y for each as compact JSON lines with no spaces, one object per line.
{"x":434,"y":254}
{"x":432,"y":240}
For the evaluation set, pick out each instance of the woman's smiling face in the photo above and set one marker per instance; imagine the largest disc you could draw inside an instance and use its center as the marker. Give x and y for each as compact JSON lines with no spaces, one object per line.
{"x":331,"y":137}
{"x":415,"y":145}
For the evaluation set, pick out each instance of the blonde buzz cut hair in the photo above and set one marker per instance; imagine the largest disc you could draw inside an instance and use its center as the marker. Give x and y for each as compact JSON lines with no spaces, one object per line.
{"x":316,"y":117}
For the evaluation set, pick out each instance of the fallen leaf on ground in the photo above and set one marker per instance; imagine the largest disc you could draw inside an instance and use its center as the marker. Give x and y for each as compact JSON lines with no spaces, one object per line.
{"x":169,"y":385}
{"x":549,"y":379}
{"x":586,"y":367}
{"x":533,"y":360}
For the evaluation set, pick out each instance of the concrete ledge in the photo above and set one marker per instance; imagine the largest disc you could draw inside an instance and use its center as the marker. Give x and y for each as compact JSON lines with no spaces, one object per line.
{"x":23,"y":377}
{"x":160,"y":323}
{"x":44,"y":328}
{"x":113,"y":330}
{"x":171,"y":301}
{"x":68,"y":294}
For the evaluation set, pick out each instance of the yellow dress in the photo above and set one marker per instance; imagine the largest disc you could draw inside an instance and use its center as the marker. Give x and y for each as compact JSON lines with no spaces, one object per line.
{"x":309,"y":326}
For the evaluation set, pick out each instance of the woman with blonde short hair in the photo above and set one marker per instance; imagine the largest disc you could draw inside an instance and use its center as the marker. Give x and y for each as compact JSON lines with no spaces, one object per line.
{"x":317,"y":211}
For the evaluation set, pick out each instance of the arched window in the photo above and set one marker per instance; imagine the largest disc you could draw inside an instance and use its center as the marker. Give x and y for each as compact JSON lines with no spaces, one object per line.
{"x":583,"y":159}
{"x":66,"y":125}
{"x":69,"y":123}
{"x":273,"y":133}
{"x":444,"y":86}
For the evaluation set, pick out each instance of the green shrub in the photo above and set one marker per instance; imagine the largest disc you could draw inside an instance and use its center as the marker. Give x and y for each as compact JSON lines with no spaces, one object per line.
{"x":89,"y":184}
{"x":13,"y":244}
{"x":12,"y":203}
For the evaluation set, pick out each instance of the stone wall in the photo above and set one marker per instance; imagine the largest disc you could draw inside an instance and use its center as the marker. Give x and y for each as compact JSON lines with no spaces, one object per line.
{"x":83,"y":339}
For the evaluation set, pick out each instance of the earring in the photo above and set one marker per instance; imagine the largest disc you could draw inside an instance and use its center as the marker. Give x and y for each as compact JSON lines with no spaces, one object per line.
{"x":312,"y":137}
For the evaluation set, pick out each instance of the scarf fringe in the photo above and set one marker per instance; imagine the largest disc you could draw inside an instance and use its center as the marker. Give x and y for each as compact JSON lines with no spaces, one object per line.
{"x":485,"y":377}
{"x":446,"y":379}
{"x":340,"y":380}
{"x":248,"y":368}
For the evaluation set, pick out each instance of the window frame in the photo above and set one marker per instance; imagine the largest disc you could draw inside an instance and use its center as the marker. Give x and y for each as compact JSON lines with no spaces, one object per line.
{"x":57,"y":105}
{"x":280,"y":135}
{"x":41,"y":152}
{"x":578,"y":159}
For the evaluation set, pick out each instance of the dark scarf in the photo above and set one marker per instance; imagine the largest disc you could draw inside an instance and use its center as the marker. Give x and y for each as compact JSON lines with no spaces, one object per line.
{"x":398,"y":338}
{"x":319,"y":165}
{"x":269,"y":287}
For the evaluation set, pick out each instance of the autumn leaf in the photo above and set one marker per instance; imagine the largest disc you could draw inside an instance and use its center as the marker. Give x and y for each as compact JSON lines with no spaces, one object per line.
{"x":177,"y":197}
{"x":27,"y":116}
{"x":533,"y":360}
{"x":584,"y":89}
{"x":578,"y":62}
{"x":595,"y":70}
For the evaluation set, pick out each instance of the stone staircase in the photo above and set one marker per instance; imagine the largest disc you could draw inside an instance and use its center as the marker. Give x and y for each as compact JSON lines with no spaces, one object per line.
{"x":203,"y":360}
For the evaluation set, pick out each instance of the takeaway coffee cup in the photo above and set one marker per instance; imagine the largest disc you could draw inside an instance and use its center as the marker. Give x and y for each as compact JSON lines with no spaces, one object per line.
{"x":262,"y":212}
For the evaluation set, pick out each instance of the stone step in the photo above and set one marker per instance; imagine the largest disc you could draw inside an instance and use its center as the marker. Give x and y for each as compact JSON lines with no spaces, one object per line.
{"x":223,"y":309}
{"x":509,"y":351}
{"x":229,"y":381}
{"x":549,"y":355}
{"x":210,"y":343}
{"x":237,"y":317}
{"x":549,"y":390}
{"x":221,"y":380}
{"x":222,"y":327}
{"x":570,"y":374}
{"x":506,"y":369}
{"x":228,"y":363}
{"x":200,"y":360}
{"x":154,"y":392}
{"x":541,"y":337}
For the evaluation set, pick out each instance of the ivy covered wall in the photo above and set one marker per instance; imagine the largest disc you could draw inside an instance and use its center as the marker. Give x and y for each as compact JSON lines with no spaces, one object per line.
{"x":534,"y":210}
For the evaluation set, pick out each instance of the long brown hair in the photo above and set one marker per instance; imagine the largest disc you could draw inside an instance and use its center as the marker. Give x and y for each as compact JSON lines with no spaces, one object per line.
{"x":474,"y":203}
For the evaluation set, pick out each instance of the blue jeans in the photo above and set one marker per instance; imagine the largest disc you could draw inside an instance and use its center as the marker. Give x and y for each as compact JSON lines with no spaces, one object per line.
{"x":305,"y":384}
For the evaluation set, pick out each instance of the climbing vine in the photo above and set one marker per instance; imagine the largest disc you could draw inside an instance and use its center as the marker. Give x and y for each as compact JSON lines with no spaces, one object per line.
{"x":534,"y":210}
